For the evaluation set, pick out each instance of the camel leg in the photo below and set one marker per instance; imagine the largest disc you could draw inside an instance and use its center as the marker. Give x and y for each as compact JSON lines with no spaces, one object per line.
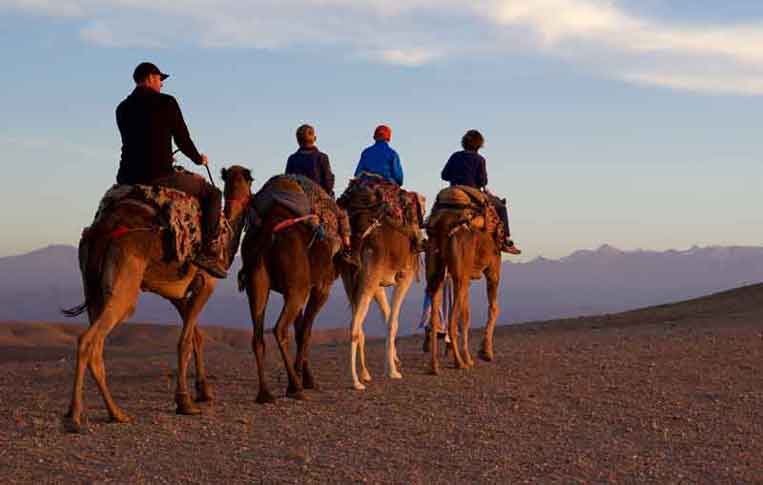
{"x":91,"y":342}
{"x":187,"y":345}
{"x":189,"y":309}
{"x":318,"y":298}
{"x":257,"y":292}
{"x":98,"y":371}
{"x":292,"y":306}
{"x":435,"y":278}
{"x":493,"y":277}
{"x":203,"y":390}
{"x":461,"y":292}
{"x":465,"y":324}
{"x":358,"y":317}
{"x":401,"y":289}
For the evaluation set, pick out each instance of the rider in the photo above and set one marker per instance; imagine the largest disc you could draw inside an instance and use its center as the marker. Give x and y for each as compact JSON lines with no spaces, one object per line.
{"x":148,"y":121}
{"x":380,"y":159}
{"x":467,"y":167}
{"x":315,"y":165}
{"x":311,"y":162}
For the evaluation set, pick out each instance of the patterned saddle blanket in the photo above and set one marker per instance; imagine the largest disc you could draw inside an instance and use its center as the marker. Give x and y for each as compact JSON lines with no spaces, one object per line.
{"x":369,"y":193}
{"x":304,"y":197}
{"x":474,"y":207}
{"x":178,"y":213}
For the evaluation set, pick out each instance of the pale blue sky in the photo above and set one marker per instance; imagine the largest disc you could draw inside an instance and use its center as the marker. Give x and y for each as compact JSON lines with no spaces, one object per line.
{"x":621,"y":122}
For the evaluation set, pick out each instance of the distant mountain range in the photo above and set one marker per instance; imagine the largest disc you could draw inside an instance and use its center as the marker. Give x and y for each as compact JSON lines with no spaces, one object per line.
{"x":34,"y":286}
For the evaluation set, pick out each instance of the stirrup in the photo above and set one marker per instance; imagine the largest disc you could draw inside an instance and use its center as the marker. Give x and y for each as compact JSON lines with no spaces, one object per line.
{"x":211,"y":265}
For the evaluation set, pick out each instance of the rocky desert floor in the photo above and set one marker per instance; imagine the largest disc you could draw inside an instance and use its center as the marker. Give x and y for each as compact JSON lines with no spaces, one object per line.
{"x":671,"y":394}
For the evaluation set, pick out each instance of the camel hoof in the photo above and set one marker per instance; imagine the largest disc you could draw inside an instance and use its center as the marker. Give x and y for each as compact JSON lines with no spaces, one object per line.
{"x":298,"y":395}
{"x":73,"y":425}
{"x":460,"y":366}
{"x":486,"y":356}
{"x":264,"y":397}
{"x":435,"y":371}
{"x":358,"y":386}
{"x":365,"y":376}
{"x":120,"y":417}
{"x":185,"y":406}
{"x":395,"y":375}
{"x":204,"y":392}
{"x":309,"y":384}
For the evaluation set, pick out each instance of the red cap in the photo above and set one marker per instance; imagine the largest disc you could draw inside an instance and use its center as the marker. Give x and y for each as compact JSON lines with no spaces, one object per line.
{"x":383,"y":132}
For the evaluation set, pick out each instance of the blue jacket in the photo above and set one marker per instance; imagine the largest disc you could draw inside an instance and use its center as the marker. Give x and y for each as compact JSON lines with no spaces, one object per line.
{"x":382,"y":160}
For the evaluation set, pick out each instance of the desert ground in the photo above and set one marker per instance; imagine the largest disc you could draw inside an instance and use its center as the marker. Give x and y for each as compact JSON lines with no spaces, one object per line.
{"x":670,"y":394}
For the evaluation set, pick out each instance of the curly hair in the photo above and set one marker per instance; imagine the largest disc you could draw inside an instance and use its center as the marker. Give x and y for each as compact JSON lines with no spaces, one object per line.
{"x":305,"y":135}
{"x":472,"y":140}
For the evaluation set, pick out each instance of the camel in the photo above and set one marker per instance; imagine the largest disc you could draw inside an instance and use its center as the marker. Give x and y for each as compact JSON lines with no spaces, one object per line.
{"x":387,"y":258}
{"x":286,"y":256}
{"x":114,"y":271}
{"x":462,"y":249}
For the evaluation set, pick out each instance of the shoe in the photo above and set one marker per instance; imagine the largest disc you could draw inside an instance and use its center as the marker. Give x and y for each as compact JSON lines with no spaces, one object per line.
{"x":509,"y":247}
{"x":420,"y":244}
{"x":349,"y":257}
{"x":211,"y":264}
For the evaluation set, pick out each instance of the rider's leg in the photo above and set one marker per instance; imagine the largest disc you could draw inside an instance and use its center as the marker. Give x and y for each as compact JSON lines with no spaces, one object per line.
{"x":210,"y":199}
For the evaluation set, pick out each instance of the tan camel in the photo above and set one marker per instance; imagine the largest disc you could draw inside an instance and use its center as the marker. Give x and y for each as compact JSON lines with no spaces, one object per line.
{"x":293,"y":262}
{"x":387,"y":258}
{"x":464,"y":251}
{"x":115,"y":270}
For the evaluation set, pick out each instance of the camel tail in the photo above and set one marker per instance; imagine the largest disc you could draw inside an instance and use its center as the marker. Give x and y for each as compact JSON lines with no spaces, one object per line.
{"x":92,"y":253}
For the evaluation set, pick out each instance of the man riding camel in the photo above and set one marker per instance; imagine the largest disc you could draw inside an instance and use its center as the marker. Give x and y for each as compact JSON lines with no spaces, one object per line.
{"x":148,"y":122}
{"x":467,"y":167}
{"x":381,"y":160}
{"x":314,"y":164}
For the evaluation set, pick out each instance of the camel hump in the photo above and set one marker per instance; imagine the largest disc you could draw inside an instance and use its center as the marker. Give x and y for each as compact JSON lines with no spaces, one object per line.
{"x":283,"y":183}
{"x":461,"y":195}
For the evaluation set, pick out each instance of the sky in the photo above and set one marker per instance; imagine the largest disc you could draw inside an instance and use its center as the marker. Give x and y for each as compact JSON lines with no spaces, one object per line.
{"x":631,"y":123}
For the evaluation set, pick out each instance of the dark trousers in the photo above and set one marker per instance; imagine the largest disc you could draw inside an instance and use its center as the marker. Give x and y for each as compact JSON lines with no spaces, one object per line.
{"x":503,"y":212}
{"x":209,"y":197}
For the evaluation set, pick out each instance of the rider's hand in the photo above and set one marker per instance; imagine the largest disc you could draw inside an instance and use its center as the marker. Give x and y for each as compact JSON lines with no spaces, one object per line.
{"x":204,"y":160}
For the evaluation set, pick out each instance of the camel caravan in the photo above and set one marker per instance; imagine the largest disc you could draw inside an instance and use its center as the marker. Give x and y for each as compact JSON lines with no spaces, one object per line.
{"x":169,"y":231}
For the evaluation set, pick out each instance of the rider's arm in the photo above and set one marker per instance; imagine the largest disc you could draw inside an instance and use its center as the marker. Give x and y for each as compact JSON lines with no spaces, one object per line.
{"x":181,"y":136}
{"x":327,"y":176}
{"x":397,"y":169}
{"x":447,"y":171}
{"x":481,"y":175}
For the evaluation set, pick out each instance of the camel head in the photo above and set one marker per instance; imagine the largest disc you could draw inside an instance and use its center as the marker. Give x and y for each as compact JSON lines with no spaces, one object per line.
{"x":238,"y":189}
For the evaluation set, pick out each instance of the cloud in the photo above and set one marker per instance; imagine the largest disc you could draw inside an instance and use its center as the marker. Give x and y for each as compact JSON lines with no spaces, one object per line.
{"x":599,"y":35}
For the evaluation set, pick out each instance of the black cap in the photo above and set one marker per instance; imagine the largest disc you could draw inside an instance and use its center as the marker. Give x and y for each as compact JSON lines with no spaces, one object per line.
{"x":144,"y":69}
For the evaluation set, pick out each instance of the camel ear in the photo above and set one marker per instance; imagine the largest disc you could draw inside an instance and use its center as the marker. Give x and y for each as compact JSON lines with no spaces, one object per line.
{"x":248,"y":175}
{"x":224,"y":174}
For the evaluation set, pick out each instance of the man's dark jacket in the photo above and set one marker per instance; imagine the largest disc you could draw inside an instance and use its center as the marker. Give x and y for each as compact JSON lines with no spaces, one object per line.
{"x":465,"y":168}
{"x":314,"y":164}
{"x":148,"y":121}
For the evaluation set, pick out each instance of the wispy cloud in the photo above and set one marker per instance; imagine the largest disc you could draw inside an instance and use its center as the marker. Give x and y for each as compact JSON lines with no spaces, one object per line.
{"x":600,"y":35}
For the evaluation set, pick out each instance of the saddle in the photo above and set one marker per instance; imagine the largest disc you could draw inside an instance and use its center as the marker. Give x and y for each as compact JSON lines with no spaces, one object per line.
{"x":176,"y":214}
{"x":472,"y":206}
{"x":382,"y":198}
{"x":303,"y":197}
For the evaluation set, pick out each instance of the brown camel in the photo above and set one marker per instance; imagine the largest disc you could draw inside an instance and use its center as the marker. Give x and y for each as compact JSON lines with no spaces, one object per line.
{"x":387,"y":258}
{"x":294,"y":262}
{"x":464,"y":251}
{"x":115,"y":270}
